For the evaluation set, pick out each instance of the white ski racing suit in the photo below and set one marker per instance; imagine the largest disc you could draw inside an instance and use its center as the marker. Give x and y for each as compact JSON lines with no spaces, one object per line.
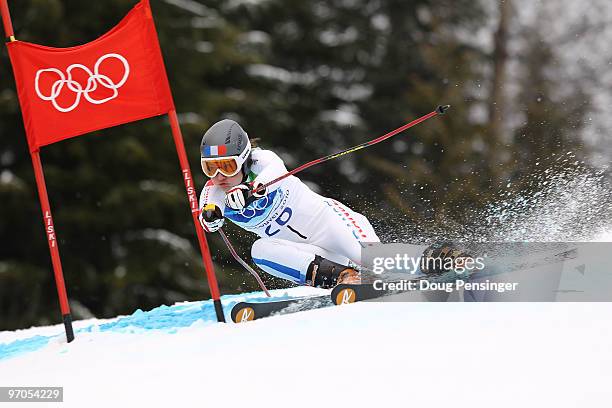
{"x":294,"y":223}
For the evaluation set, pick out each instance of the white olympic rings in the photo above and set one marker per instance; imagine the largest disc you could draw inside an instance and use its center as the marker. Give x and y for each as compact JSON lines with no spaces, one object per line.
{"x":94,"y":79}
{"x":257,"y":207}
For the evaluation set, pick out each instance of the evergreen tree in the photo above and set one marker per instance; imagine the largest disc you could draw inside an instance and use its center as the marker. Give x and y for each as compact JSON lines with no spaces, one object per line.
{"x":553,"y":111}
{"x":306,"y":77}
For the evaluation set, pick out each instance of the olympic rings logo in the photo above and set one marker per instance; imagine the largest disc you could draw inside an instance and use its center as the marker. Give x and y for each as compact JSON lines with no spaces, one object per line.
{"x":95,"y":79}
{"x":257,"y":205}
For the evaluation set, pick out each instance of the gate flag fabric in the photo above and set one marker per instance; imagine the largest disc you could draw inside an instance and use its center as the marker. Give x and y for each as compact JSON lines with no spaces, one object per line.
{"x":117,"y":78}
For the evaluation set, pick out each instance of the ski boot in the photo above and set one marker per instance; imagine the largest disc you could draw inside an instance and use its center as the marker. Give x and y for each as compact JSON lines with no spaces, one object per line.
{"x":323,"y":273}
{"x":443,"y":257}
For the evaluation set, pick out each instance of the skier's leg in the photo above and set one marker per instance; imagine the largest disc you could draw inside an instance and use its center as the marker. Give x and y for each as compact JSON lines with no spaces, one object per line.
{"x":302,"y":263}
{"x":287,"y":259}
{"x":344,"y":231}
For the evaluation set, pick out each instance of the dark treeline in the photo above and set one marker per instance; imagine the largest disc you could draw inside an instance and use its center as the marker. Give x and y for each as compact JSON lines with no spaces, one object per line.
{"x":306,"y":77}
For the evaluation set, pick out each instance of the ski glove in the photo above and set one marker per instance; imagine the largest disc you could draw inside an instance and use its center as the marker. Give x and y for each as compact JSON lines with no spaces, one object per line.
{"x":236,"y":198}
{"x":211,"y":218}
{"x":260,"y":193}
{"x":239,"y":197}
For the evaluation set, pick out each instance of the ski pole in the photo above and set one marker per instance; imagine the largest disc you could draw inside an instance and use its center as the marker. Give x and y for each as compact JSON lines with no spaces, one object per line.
{"x":440,"y":110}
{"x":243,"y":263}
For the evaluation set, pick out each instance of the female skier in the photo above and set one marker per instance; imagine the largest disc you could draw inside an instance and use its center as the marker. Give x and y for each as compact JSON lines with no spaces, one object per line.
{"x":306,"y":238}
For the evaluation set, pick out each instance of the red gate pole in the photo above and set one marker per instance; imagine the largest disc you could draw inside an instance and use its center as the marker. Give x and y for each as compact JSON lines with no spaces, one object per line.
{"x":193,"y":203}
{"x":46,"y":208}
{"x":6,"y":20}
{"x":52,"y":241}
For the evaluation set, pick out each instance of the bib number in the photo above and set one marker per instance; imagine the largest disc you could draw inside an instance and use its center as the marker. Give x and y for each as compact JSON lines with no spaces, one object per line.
{"x":282,"y":219}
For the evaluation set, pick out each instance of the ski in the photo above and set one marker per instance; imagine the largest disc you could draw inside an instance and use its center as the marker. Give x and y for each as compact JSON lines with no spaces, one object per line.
{"x":345,"y":293}
{"x":247,"y":311}
{"x":351,"y":293}
{"x":341,"y":294}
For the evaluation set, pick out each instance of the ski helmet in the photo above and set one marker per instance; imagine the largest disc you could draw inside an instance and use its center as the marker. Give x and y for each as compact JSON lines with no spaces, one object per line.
{"x":225,"y":148}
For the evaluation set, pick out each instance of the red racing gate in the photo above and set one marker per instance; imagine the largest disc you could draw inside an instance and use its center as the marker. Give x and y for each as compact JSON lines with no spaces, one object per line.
{"x":118,"y":78}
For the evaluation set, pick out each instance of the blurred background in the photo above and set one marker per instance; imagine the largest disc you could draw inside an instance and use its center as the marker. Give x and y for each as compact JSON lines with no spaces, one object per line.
{"x":522,"y":154}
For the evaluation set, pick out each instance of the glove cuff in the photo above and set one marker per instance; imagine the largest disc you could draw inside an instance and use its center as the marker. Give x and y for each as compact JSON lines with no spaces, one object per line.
{"x":260,"y":193}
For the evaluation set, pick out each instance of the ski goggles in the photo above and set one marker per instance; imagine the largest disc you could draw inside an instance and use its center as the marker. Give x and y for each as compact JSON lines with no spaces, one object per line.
{"x":228,"y":166}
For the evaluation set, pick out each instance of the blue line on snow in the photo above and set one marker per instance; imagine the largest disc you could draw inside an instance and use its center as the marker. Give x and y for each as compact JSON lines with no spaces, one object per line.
{"x":166,"y":318}
{"x":23,"y":346}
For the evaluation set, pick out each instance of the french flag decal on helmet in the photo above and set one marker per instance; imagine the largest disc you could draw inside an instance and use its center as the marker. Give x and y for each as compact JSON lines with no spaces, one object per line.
{"x":214,"y":150}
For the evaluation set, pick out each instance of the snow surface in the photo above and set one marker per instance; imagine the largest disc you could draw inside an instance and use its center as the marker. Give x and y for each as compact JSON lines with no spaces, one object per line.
{"x":368,"y":354}
{"x":605,"y":237}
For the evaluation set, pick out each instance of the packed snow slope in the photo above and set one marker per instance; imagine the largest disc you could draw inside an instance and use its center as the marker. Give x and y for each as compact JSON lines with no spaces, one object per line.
{"x":365,"y":354}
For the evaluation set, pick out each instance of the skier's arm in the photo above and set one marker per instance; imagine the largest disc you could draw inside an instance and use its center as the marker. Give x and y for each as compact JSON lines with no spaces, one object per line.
{"x":267,"y":166}
{"x":270,"y":166}
{"x":212,"y":207}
